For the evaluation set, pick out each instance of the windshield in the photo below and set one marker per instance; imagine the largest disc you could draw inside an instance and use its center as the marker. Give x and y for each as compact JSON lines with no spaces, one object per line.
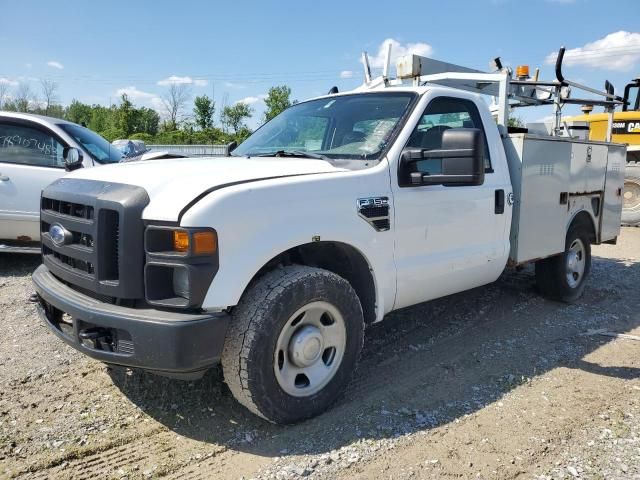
{"x":99,"y":148}
{"x":355,"y":126}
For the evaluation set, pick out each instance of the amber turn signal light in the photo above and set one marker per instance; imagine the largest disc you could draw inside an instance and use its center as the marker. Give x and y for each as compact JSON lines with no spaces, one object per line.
{"x":201,"y":243}
{"x":205,"y":243}
{"x":180,"y":241}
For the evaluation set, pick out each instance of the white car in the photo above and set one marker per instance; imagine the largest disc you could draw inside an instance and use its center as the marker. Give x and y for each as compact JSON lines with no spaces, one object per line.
{"x":32,"y":155}
{"x":131,"y":149}
{"x":338,"y":211}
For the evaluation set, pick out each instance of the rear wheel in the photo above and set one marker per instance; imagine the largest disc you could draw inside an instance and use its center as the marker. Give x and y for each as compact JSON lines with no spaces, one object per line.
{"x":563,"y":276}
{"x":293,"y":343}
{"x":631,"y":196}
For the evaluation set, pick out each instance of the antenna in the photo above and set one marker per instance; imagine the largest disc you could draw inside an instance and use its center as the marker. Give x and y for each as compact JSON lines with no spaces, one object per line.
{"x":225,"y":100}
{"x":387,"y":62}
{"x":367,"y":68}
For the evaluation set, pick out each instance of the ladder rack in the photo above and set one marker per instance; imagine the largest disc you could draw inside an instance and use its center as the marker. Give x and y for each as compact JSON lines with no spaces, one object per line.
{"x":508,"y":92}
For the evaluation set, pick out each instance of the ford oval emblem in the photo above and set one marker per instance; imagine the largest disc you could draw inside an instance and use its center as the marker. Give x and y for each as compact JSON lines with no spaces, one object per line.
{"x":59,"y":234}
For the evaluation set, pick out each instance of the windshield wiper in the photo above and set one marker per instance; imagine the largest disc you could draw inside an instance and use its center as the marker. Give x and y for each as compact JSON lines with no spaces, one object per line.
{"x":292,"y":153}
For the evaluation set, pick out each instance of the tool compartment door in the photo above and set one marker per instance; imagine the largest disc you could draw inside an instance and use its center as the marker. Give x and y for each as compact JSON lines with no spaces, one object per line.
{"x":614,"y":181}
{"x":543,"y":210}
{"x":588,"y":166}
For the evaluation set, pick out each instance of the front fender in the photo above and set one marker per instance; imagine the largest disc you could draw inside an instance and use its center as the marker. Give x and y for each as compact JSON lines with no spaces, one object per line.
{"x":257,"y":222}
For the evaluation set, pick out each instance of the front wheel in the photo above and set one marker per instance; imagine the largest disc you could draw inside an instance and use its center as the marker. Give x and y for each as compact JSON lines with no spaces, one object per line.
{"x":563,"y":276}
{"x":293,"y":343}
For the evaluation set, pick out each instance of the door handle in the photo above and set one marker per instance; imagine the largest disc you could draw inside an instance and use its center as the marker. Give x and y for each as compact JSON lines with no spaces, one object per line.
{"x":3,"y":178}
{"x":499,"y":206}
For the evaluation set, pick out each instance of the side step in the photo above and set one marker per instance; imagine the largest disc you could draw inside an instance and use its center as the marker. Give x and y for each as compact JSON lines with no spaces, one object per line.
{"x":4,"y":248}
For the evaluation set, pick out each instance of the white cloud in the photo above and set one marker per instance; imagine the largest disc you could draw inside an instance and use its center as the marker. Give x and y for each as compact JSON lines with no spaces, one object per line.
{"x":617,"y":51}
{"x":141,"y":98}
{"x":174,"y":79}
{"x":28,"y":65}
{"x":8,"y":81}
{"x":177,"y":80}
{"x":54,"y":64}
{"x":234,"y":85}
{"x":253,"y":99}
{"x":398,"y":50}
{"x":346,"y":74}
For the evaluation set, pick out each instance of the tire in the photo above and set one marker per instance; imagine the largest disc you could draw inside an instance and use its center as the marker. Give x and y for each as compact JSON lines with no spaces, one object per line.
{"x":290,"y":317}
{"x":553,"y":274}
{"x":631,"y":196}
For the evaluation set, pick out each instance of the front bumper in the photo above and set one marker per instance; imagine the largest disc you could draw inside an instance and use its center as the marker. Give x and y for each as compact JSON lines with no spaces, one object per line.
{"x":171,"y":343}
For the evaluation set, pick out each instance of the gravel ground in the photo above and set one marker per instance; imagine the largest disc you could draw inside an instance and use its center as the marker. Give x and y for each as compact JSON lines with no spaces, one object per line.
{"x":491,"y":383}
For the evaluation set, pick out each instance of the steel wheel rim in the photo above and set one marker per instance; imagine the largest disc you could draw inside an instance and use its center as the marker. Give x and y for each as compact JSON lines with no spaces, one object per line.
{"x":576,"y":262}
{"x":631,"y":196}
{"x":310,"y":349}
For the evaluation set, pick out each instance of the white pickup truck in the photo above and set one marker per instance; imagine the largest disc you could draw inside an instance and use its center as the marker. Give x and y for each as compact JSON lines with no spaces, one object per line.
{"x":340,"y":210}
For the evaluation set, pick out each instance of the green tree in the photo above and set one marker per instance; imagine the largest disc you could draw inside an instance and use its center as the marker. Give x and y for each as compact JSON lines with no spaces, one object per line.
{"x":78,"y":112}
{"x":125,"y":116}
{"x":515,"y":122}
{"x":100,"y":119}
{"x":235,"y":115}
{"x":203,"y":110}
{"x":147,"y":121}
{"x":277,"y":101}
{"x":113,"y":133}
{"x":145,"y":137}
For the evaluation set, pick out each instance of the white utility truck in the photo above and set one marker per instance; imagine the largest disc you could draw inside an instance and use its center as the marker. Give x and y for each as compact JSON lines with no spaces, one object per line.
{"x":343,"y":208}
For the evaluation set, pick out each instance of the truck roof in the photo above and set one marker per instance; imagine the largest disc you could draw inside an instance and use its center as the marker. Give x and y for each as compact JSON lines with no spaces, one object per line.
{"x":389,"y":89}
{"x":41,"y":119}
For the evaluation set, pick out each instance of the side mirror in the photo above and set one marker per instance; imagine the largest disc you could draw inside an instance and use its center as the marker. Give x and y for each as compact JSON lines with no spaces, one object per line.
{"x":462,"y":157}
{"x":72,"y":158}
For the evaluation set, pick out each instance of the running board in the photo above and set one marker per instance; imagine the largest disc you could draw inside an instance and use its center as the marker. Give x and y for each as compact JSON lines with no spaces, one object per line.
{"x":18,"y":249}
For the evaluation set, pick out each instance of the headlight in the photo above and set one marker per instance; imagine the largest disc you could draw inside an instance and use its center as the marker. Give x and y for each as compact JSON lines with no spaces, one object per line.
{"x":180,"y":265}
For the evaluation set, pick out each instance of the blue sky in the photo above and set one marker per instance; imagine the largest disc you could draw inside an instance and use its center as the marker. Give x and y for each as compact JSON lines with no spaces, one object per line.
{"x":237,"y":50}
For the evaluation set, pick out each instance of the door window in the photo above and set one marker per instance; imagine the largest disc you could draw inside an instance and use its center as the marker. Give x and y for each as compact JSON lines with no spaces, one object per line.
{"x":440,"y":115}
{"x":29,"y":146}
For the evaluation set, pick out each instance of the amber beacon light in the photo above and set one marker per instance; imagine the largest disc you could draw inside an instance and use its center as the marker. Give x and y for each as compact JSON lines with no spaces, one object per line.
{"x":522,"y":71}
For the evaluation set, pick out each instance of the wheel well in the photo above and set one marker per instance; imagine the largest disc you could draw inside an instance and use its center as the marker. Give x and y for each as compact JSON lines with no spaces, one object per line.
{"x":584,"y":220}
{"x":337,"y":257}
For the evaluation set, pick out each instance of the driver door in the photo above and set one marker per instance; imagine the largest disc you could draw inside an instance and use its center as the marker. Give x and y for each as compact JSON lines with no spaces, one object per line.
{"x":448,"y":238}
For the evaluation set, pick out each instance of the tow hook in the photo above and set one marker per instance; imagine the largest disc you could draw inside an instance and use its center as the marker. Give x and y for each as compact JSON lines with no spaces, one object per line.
{"x":100,"y":338}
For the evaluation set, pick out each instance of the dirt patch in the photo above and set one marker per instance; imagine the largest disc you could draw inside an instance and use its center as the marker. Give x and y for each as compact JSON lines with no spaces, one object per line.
{"x":491,"y":383}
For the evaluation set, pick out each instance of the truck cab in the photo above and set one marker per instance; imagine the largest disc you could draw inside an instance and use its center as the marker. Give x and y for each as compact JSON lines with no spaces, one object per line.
{"x":343,"y":208}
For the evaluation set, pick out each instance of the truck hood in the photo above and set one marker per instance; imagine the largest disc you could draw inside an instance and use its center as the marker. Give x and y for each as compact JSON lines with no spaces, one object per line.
{"x":184,"y":179}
